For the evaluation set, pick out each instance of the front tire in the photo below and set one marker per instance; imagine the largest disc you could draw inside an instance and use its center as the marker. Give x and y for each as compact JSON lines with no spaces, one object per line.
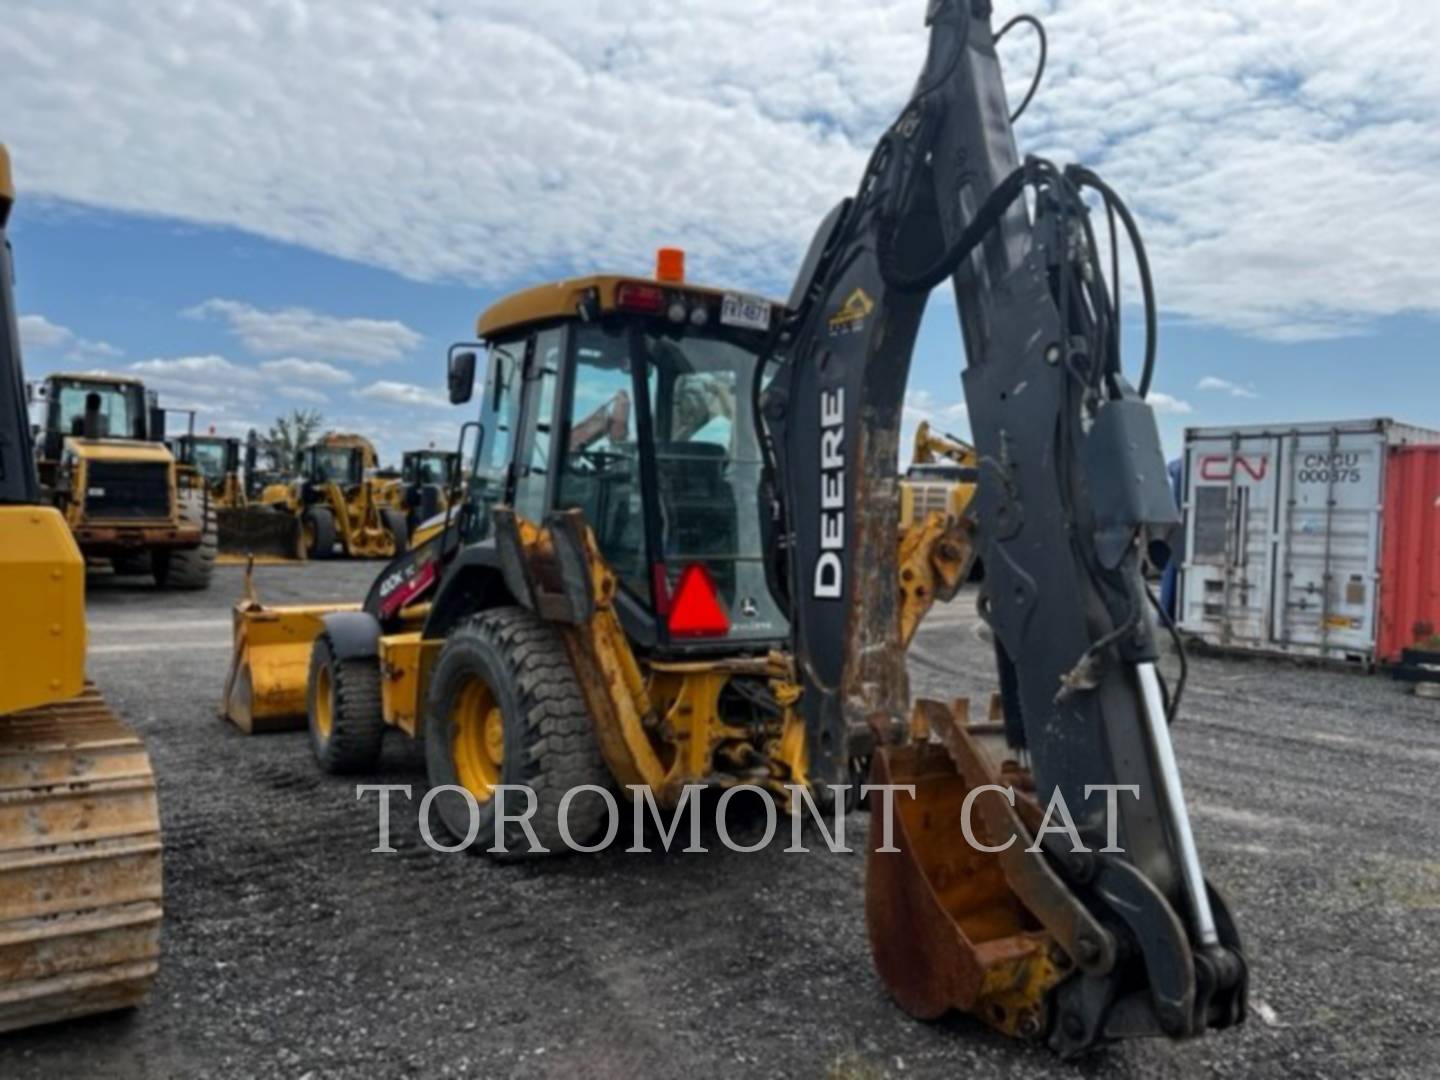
{"x":346,"y":720}
{"x":505,"y":707}
{"x":190,"y":568}
{"x":318,"y":526}
{"x":397,"y":527}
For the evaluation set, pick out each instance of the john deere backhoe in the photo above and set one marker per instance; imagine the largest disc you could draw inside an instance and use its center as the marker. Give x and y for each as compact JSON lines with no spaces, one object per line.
{"x":80,"y":885}
{"x":713,"y":591}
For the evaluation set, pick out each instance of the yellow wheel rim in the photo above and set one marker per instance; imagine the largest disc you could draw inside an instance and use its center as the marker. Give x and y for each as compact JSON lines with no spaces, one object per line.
{"x":324,"y":703}
{"x":477,"y":734}
{"x":307,"y":531}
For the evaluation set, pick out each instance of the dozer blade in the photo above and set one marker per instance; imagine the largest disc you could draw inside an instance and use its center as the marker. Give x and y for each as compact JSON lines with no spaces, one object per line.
{"x":265,"y":533}
{"x":80,"y":873}
{"x":955,"y":927}
{"x":266,"y":688}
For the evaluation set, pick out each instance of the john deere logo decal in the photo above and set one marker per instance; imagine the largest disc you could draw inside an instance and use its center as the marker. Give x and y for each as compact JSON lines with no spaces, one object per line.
{"x":850,"y":319}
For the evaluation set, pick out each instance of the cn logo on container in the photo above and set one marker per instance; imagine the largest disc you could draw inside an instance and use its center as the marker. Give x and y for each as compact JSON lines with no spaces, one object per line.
{"x":1223,"y":467}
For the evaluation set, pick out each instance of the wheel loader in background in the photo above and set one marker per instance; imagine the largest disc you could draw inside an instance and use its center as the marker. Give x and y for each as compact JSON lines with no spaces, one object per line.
{"x":80,"y":873}
{"x":104,"y":465}
{"x":713,"y":591}
{"x":215,"y":461}
{"x":429,"y":483}
{"x":333,"y":500}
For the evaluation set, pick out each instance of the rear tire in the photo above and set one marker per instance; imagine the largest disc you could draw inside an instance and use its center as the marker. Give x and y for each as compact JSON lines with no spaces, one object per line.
{"x":346,"y":721}
{"x":318,"y":524}
{"x":397,"y":527}
{"x":512,"y":662}
{"x":190,"y":568}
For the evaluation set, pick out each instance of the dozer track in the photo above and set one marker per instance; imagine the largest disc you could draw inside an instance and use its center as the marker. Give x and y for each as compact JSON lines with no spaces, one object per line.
{"x":80,"y":864}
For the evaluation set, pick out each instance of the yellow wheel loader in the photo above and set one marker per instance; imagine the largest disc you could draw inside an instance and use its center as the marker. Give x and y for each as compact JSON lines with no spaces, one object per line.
{"x":429,"y":483}
{"x":711,"y":591}
{"x":337,"y":503}
{"x":104,"y":465}
{"x":80,"y":874}
{"x":214,"y":460}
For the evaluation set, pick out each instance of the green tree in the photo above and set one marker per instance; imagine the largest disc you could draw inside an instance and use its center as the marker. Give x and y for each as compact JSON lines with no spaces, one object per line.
{"x":290,"y":435}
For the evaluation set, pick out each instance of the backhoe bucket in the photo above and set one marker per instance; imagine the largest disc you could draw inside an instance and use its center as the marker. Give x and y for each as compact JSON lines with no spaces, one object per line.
{"x":953,"y":926}
{"x":266,"y":689}
{"x":270,"y":534}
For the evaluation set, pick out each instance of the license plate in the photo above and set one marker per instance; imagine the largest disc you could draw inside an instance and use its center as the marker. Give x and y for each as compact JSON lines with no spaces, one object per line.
{"x":746,"y":312}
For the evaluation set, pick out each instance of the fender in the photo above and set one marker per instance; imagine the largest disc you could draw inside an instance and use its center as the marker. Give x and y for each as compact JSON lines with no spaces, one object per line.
{"x":354,"y":635}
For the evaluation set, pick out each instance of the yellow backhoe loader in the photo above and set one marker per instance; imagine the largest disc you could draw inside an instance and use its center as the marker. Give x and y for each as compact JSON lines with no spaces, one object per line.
{"x":707,"y":587}
{"x":104,"y":465}
{"x":80,"y":874}
{"x":337,"y":502}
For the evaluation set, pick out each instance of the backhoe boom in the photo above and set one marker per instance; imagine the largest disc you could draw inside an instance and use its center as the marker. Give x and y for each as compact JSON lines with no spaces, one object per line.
{"x":1072,"y":488}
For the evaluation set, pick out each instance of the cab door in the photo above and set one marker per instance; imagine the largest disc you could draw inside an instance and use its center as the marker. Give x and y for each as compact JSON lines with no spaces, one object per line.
{"x":535,"y":460}
{"x":490,"y":477}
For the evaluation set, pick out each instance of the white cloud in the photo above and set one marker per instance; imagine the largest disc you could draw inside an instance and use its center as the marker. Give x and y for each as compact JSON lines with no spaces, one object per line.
{"x":399,"y":393}
{"x":194,"y":369}
{"x":209,"y":385}
{"x":311,"y":371}
{"x":299,"y":332}
{"x":1168,"y":404}
{"x":39,"y":333}
{"x":1225,"y":386}
{"x":308,"y":395}
{"x":1276,"y":154}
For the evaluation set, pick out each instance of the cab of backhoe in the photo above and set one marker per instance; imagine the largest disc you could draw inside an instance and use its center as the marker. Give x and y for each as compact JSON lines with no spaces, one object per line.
{"x":632,"y":399}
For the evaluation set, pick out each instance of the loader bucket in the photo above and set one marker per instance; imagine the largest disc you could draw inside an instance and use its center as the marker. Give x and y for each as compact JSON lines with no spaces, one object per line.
{"x":270,"y":534}
{"x":266,"y":689}
{"x":952,"y":926}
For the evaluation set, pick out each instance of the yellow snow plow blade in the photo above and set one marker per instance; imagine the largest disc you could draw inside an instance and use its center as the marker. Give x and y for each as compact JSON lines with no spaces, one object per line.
{"x":270,"y":662}
{"x":259,"y":531}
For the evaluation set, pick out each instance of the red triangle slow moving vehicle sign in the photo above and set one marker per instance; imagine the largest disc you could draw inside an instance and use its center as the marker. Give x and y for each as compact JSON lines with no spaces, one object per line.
{"x":695,"y":609}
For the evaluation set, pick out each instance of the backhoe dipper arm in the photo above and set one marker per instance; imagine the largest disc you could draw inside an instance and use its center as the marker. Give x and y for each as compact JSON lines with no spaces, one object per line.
{"x":1072,"y":487}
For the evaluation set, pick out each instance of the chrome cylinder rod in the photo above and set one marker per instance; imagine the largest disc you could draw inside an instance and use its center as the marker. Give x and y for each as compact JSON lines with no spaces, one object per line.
{"x":1172,"y":797}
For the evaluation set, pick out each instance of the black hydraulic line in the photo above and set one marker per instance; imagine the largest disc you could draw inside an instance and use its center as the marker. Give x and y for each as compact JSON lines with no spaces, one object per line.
{"x":1039,"y":28}
{"x":1085,"y":177}
{"x":1005,"y":193}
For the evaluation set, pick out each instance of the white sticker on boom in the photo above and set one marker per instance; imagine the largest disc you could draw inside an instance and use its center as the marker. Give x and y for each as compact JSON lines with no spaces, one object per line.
{"x":747,"y":312}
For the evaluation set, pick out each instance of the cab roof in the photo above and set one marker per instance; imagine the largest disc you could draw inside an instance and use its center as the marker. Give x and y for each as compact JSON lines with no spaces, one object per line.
{"x":560,"y":300}
{"x":94,"y":377}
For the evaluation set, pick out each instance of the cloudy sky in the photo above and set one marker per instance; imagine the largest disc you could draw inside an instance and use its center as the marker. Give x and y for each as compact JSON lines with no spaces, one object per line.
{"x":268,"y":204}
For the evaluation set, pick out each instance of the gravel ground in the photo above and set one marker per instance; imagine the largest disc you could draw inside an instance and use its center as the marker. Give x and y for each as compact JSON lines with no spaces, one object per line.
{"x":292,"y":951}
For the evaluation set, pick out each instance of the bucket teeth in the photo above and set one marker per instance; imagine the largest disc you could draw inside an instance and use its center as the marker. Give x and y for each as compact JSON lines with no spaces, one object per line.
{"x":80,"y":864}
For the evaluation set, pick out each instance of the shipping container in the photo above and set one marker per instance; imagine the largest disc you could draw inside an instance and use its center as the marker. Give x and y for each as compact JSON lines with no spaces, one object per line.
{"x":1316,"y":540}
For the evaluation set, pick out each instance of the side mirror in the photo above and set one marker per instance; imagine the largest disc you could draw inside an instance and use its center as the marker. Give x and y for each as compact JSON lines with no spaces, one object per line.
{"x":461,"y":377}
